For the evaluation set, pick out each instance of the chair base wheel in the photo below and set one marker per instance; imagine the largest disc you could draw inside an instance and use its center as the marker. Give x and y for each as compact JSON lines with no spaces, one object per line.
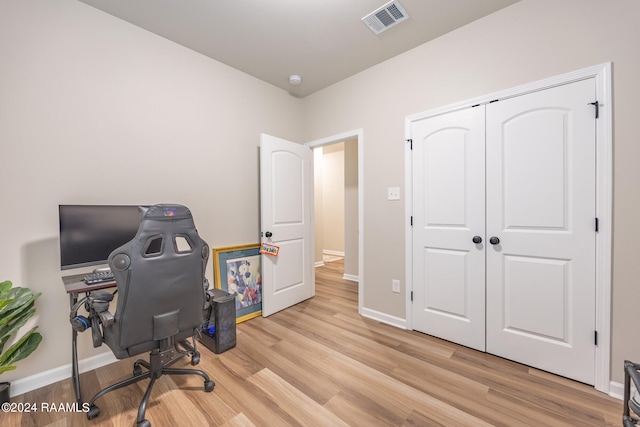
{"x":143,"y":423}
{"x":195,"y":359}
{"x":93,"y":412}
{"x":137,"y":370}
{"x":209,"y":385}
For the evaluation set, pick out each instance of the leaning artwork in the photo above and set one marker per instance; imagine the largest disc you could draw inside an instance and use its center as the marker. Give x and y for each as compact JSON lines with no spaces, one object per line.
{"x":237,"y":271}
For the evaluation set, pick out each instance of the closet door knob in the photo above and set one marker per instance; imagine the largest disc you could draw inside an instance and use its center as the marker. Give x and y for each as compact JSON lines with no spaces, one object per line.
{"x":494,"y":240}
{"x":477,"y":239}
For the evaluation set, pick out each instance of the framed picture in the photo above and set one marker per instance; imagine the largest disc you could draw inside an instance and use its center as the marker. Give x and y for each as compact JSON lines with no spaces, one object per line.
{"x":237,"y":271}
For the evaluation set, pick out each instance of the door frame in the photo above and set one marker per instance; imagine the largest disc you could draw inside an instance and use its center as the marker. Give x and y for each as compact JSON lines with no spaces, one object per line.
{"x":359,"y":135}
{"x":604,"y":195}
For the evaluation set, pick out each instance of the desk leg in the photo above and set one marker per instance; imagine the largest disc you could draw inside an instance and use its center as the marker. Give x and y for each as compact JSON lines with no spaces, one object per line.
{"x":75,"y":374}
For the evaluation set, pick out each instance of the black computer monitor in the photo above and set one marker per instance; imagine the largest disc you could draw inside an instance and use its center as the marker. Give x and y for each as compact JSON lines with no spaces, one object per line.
{"x":89,"y":233}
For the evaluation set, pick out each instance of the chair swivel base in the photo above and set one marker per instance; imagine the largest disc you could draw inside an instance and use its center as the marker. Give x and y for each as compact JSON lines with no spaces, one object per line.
{"x":155,"y":369}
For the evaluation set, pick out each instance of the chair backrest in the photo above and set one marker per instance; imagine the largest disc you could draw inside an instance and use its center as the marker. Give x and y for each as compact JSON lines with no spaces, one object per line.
{"x":160,"y":281}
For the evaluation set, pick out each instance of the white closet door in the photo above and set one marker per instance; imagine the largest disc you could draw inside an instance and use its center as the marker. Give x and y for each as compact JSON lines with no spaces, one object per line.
{"x":536,"y":303}
{"x":448,"y":198}
{"x":540,"y":174}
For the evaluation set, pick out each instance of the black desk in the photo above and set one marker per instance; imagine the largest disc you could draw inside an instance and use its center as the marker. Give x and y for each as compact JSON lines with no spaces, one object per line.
{"x":75,"y":285}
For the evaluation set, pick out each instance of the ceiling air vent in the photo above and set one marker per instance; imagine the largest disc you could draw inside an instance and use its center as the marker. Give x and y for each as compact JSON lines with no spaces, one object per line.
{"x":385,"y":17}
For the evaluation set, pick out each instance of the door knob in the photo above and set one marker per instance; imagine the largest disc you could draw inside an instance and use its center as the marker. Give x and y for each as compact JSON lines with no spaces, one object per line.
{"x":494,"y":240}
{"x":477,"y":239}
{"x":268,"y":234}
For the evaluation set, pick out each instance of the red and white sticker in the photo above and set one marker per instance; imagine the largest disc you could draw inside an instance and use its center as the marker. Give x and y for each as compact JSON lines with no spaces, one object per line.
{"x":271,"y":250}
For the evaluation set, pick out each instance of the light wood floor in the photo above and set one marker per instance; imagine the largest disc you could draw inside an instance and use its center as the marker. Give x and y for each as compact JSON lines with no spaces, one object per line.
{"x":321,"y":364}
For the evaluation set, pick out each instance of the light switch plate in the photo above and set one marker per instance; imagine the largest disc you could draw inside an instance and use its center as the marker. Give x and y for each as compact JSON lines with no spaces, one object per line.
{"x":395,"y":286}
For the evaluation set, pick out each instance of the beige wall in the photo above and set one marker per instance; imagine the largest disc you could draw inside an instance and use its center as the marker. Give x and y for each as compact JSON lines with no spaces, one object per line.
{"x":336,"y":202}
{"x":95,"y":110}
{"x":78,"y":87}
{"x":318,"y":205}
{"x":529,"y":41}
{"x":333,"y":198}
{"x":351,"y":226}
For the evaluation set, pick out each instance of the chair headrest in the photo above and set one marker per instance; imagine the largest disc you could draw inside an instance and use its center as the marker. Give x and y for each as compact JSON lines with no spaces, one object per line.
{"x":165,"y":212}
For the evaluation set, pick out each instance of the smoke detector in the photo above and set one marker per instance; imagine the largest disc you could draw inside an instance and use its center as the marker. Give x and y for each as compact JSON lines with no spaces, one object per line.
{"x":295,"y":79}
{"x":385,"y":17}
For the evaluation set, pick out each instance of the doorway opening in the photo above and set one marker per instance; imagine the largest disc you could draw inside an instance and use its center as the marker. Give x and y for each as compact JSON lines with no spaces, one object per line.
{"x":338,"y":203}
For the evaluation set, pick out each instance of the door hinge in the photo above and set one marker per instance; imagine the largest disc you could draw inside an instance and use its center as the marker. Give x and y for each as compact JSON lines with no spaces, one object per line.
{"x":597,"y":105}
{"x":411,"y":220}
{"x":595,"y":338}
{"x":411,"y":296}
{"x":410,"y":141}
{"x":597,"y":225}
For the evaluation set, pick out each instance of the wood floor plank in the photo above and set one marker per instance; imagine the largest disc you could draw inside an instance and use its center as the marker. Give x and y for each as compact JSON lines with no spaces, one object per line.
{"x":239,"y":420}
{"x":321,"y":363}
{"x":397,"y":396}
{"x":289,"y":398}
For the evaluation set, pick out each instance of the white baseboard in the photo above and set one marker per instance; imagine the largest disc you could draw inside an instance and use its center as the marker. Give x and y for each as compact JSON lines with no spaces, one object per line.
{"x":319,"y":264}
{"x":384,"y":318}
{"x":617,"y":390}
{"x":51,"y":376}
{"x":332,"y":253}
{"x":351,"y":278}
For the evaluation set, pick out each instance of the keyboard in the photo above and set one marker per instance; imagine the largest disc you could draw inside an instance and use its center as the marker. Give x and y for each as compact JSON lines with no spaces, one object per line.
{"x":96,"y":277}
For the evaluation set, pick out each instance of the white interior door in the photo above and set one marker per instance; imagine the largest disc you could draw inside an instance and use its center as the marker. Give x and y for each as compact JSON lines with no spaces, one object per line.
{"x":539,"y":246}
{"x":541,"y":206}
{"x":286,"y":211}
{"x":448,"y":197}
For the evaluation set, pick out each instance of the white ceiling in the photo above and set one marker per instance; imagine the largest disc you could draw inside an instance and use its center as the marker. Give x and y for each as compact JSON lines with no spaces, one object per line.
{"x":324,"y":41}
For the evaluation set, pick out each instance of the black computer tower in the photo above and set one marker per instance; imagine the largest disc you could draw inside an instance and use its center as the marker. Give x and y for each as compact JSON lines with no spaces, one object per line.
{"x":219,"y":333}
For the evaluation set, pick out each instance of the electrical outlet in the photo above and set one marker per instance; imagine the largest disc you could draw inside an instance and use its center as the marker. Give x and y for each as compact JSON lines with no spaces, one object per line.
{"x":395,"y":286}
{"x":393,"y":193}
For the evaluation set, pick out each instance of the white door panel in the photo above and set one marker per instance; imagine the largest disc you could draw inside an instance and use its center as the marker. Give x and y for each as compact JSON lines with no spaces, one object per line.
{"x":286,"y":203}
{"x":448,"y":211}
{"x":289,"y":269}
{"x":541,"y":205}
{"x":534,"y":300}
{"x":541,"y":283}
{"x":533,"y":146}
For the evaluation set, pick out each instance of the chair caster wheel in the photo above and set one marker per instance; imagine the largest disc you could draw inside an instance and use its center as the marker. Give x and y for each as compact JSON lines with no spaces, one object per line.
{"x":143,"y":423}
{"x":93,"y":412}
{"x":137,"y":369}
{"x":195,"y":359}
{"x":209,"y":385}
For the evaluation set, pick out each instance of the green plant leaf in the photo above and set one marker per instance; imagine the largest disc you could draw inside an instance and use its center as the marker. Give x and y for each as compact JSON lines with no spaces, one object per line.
{"x":21,"y":348}
{"x":9,"y":329}
{"x":19,"y":297}
{"x":7,"y":368}
{"x":11,"y":315}
{"x":22,"y":299}
{"x":5,"y":286}
{"x":17,"y":306}
{"x":4,"y":290}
